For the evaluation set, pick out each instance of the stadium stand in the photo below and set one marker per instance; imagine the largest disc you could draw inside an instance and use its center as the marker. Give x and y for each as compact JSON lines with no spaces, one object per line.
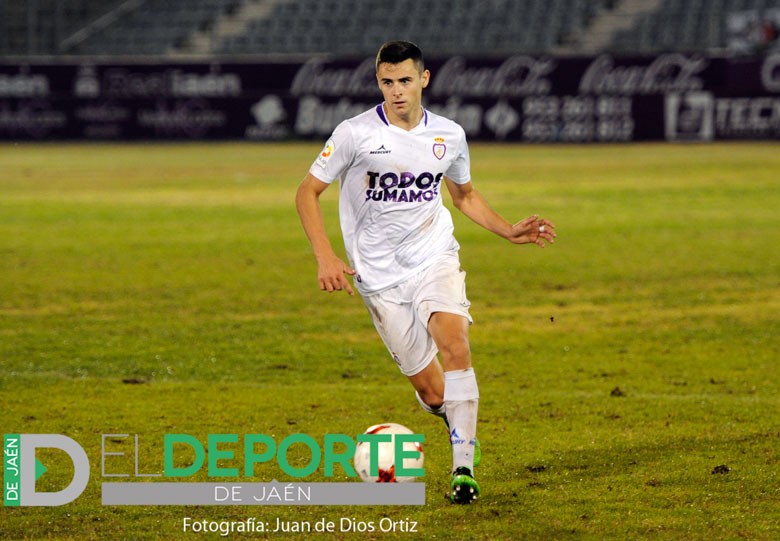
{"x":356,"y":26}
{"x":150,"y":27}
{"x":241,"y":27}
{"x":105,"y":27}
{"x":39,"y":27}
{"x":159,"y":28}
{"x":685,"y":25}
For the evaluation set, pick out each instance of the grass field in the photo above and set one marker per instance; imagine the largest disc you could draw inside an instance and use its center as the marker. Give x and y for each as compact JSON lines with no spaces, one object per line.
{"x":628,"y":374}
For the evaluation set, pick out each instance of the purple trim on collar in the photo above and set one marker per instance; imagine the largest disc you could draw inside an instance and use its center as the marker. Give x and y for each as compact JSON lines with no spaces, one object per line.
{"x":381,"y":112}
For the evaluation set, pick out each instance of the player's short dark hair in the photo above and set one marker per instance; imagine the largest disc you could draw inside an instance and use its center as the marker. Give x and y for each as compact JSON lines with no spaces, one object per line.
{"x":395,"y":52}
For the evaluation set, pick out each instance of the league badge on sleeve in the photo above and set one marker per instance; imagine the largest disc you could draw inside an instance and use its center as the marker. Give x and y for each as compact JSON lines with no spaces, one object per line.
{"x":439,"y":148}
{"x":326,"y":153}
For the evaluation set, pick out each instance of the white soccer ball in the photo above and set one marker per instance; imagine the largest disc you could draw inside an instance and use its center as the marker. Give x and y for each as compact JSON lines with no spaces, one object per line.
{"x":386,"y":463}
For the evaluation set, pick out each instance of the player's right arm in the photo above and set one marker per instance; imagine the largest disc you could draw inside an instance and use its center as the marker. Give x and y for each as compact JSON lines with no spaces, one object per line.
{"x":331,"y":269}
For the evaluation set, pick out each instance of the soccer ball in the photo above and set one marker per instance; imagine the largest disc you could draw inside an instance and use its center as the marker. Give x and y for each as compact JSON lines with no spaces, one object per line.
{"x":386,"y":464}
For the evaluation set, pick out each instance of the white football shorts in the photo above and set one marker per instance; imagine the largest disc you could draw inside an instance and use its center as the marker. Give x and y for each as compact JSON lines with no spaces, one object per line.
{"x":401,"y":313}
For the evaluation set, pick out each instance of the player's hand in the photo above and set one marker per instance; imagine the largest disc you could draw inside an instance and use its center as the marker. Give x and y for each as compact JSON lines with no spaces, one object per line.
{"x":331,"y":273}
{"x":534,"y":230}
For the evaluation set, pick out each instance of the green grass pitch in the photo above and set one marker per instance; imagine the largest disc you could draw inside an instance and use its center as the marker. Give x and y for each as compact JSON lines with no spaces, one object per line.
{"x":628,"y":374}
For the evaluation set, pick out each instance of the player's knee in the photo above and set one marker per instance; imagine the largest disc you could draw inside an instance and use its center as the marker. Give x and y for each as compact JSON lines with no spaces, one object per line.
{"x":455,"y":355}
{"x":433,"y":398}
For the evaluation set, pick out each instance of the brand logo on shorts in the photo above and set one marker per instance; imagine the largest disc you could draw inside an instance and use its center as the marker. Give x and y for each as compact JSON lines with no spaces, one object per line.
{"x":439,"y":148}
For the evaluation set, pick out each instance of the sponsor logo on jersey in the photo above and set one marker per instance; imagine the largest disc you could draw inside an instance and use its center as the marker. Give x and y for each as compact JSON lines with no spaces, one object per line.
{"x":402,"y":187}
{"x":381,"y":150}
{"x":439,"y":148}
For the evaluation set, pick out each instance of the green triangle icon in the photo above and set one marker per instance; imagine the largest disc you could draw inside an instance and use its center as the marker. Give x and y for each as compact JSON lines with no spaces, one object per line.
{"x":40,"y":469}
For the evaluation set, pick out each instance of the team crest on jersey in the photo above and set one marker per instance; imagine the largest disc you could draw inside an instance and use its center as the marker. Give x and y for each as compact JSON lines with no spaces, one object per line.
{"x":439,"y":148}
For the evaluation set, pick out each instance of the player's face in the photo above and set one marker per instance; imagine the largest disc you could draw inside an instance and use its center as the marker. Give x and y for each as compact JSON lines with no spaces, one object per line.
{"x":402,"y":85}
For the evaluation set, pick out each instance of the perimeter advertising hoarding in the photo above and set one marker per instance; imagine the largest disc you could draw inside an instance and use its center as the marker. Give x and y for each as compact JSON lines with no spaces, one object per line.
{"x":515,"y":98}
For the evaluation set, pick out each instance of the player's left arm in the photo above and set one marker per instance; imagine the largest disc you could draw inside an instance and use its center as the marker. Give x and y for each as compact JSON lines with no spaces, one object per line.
{"x":470,"y":202}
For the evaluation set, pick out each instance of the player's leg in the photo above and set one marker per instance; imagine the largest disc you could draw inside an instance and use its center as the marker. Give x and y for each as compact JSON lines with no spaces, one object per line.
{"x":402,"y":316}
{"x":429,"y":389}
{"x":461,"y":399}
{"x":411,"y":347}
{"x":461,"y":394}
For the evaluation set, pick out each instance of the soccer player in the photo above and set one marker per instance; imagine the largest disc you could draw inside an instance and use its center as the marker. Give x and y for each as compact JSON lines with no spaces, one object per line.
{"x":392,"y":162}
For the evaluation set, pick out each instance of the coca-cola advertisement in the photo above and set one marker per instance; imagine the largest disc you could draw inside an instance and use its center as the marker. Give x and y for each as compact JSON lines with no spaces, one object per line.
{"x":674,"y":97}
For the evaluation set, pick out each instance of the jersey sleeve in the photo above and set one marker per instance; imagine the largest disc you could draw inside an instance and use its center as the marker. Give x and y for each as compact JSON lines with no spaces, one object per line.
{"x":336,"y":156}
{"x":460,"y":169}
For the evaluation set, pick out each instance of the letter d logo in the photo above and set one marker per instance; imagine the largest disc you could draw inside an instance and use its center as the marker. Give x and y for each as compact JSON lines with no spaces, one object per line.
{"x":21,"y":470}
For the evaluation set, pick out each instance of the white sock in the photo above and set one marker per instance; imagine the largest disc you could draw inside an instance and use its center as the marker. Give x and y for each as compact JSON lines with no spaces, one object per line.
{"x":461,"y":399}
{"x":438,"y":412}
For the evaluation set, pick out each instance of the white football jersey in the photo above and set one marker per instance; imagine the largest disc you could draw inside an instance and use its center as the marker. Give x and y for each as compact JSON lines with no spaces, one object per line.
{"x":390,"y":203}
